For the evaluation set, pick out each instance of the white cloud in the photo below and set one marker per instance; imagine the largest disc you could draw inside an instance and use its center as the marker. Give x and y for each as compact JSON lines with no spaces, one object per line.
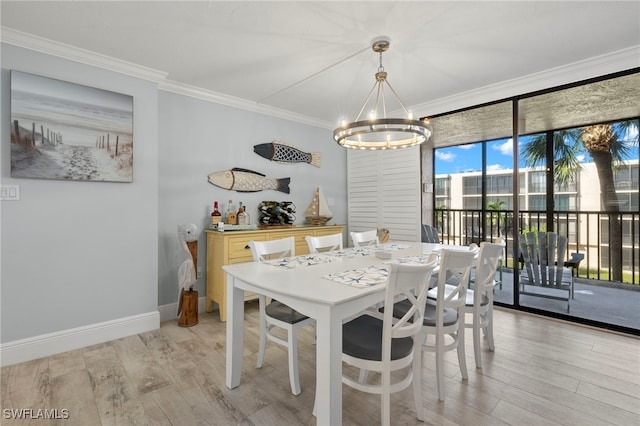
{"x":494,"y":167}
{"x":505,"y":148}
{"x":581,"y":158}
{"x":467,"y":147}
{"x":445,"y":156}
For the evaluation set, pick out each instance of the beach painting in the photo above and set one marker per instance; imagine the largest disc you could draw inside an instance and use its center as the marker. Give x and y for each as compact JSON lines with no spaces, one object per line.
{"x":61,"y":130}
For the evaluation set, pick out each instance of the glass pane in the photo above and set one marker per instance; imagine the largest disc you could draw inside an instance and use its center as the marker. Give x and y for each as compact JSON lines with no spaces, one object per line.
{"x":595,"y":193}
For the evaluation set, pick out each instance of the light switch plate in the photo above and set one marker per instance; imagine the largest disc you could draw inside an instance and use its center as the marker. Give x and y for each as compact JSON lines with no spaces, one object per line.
{"x":10,"y":192}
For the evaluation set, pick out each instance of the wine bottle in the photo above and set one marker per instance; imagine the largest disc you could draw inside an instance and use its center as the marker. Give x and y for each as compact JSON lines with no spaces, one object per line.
{"x":216,"y":216}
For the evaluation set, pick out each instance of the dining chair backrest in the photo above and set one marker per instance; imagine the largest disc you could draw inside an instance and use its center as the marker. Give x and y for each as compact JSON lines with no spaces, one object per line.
{"x":365,"y":238}
{"x":430,"y":234}
{"x":324,"y":243}
{"x":455,"y":270}
{"x":487,"y":265}
{"x":274,"y":249}
{"x":411,"y":282}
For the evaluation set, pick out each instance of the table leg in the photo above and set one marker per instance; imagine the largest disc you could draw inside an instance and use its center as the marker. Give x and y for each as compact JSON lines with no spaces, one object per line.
{"x":328,"y":369}
{"x":235,"y":332}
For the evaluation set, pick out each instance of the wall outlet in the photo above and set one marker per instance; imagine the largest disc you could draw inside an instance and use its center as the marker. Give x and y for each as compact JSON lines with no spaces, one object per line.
{"x":199,"y":273}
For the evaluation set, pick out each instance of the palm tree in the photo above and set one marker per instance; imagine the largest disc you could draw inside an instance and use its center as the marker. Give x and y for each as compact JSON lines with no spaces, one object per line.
{"x":608,"y":145}
{"x":496,"y":206}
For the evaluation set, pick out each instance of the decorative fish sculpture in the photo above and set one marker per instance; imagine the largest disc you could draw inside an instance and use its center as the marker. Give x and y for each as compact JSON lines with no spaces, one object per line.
{"x":243,"y":180}
{"x":284,"y":153}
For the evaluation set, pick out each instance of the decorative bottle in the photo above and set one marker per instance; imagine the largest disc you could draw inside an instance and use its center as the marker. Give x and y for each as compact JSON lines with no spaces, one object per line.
{"x":232,"y":218}
{"x":216,"y":216}
{"x":247,"y":216}
{"x":242,"y":216}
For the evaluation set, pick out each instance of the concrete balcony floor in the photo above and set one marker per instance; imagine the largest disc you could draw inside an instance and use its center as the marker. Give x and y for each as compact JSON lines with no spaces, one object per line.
{"x":616,"y":304}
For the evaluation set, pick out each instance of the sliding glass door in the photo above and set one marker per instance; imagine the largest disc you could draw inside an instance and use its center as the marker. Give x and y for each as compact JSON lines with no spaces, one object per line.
{"x":572,"y":170}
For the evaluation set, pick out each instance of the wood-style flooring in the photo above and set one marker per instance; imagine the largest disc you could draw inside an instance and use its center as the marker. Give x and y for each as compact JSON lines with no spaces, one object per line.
{"x":543,"y":372}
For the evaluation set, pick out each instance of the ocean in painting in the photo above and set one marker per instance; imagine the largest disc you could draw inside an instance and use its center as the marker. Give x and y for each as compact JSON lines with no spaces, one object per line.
{"x":69,"y":131}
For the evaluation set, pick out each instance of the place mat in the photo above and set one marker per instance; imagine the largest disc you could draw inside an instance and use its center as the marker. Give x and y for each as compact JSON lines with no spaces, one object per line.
{"x":294,"y":262}
{"x":393,"y":246}
{"x":363,"y":278}
{"x":413,"y":260}
{"x":352,"y":252}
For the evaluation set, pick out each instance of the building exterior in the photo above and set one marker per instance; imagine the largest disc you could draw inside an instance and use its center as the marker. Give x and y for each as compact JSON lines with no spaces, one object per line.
{"x":577,"y":208}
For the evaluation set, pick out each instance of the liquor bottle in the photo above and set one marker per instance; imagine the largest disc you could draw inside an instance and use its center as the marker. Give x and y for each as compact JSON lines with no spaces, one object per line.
{"x":247,"y":216}
{"x":232,"y":218}
{"x":242,"y":215}
{"x":216,"y":216}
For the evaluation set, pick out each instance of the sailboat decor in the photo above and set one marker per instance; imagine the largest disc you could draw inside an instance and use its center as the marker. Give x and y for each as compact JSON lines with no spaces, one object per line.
{"x":318,"y":212}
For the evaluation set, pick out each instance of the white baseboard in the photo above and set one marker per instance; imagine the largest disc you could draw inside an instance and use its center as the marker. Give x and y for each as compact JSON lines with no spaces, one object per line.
{"x":168,"y":312}
{"x":76,"y":338}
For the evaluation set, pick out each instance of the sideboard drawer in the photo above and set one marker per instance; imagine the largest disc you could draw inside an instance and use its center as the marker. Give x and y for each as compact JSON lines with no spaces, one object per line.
{"x":239,"y":247}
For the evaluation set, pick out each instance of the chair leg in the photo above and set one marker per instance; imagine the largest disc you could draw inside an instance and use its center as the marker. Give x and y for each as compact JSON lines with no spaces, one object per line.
{"x":417,"y":381}
{"x":477,"y":349}
{"x":462,"y":359}
{"x":489,"y":330}
{"x":440,"y":365}
{"x":263,"y":330}
{"x":293,"y":361}
{"x":363,"y":376}
{"x":385,"y":412}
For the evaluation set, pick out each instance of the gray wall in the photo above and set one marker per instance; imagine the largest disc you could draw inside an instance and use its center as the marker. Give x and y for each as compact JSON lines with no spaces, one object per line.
{"x":75,"y":254}
{"x":79,"y":253}
{"x":197,"y":138}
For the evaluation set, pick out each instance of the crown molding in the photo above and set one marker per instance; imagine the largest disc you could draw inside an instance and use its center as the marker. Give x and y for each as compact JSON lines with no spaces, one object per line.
{"x":66,"y":51}
{"x":619,"y":60}
{"x":597,"y":66}
{"x":211,"y":96}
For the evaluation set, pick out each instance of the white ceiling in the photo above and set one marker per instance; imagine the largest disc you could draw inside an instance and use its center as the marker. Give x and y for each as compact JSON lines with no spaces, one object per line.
{"x":314,"y":57}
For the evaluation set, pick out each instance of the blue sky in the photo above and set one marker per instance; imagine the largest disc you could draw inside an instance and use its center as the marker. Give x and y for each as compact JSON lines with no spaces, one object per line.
{"x":466,"y":158}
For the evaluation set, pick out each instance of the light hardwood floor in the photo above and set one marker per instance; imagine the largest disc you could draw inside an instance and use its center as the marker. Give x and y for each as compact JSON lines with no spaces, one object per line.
{"x":543,"y":372}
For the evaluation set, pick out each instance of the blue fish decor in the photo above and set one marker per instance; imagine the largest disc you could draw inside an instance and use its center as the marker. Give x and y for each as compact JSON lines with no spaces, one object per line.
{"x":243,"y":180}
{"x":284,"y":153}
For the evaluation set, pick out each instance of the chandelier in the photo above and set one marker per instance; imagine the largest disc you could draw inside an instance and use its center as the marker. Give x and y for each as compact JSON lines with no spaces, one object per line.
{"x":378,"y":131}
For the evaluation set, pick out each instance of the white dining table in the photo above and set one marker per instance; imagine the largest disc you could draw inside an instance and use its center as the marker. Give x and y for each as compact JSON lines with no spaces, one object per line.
{"x":305,"y":289}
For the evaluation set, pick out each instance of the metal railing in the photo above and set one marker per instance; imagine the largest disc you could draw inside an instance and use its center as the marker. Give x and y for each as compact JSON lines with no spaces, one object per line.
{"x":587,"y":232}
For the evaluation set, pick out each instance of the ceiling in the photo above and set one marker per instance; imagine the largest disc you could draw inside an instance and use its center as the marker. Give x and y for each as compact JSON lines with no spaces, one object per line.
{"x":314,"y":59}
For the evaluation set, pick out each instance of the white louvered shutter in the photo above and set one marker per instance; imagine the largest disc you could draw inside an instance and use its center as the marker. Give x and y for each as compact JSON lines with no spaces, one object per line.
{"x":383,"y":191}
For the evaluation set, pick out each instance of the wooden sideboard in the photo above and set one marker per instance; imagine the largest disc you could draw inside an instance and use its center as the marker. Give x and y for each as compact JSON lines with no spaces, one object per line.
{"x":225,"y":248}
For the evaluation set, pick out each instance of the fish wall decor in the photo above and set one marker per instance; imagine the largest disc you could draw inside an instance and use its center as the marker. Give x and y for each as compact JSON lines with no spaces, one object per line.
{"x":243,"y":180}
{"x":285,"y":153}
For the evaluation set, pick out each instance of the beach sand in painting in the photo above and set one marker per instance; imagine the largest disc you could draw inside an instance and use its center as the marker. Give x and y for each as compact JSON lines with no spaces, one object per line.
{"x":47,"y":159}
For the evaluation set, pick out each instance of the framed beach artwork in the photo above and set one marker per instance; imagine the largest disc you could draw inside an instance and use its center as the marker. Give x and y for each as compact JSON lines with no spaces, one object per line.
{"x":66,"y":131}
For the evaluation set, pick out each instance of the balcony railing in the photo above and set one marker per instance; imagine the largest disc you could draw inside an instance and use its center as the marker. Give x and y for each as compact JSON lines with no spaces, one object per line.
{"x":587,"y":232}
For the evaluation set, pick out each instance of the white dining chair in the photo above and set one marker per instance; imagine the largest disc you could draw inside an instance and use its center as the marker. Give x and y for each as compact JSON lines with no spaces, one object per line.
{"x":444,"y":317}
{"x":365,"y":238}
{"x":324,"y":243}
{"x":478,"y":306}
{"x":379,"y":342}
{"x":277,"y":314}
{"x":479,"y":301}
